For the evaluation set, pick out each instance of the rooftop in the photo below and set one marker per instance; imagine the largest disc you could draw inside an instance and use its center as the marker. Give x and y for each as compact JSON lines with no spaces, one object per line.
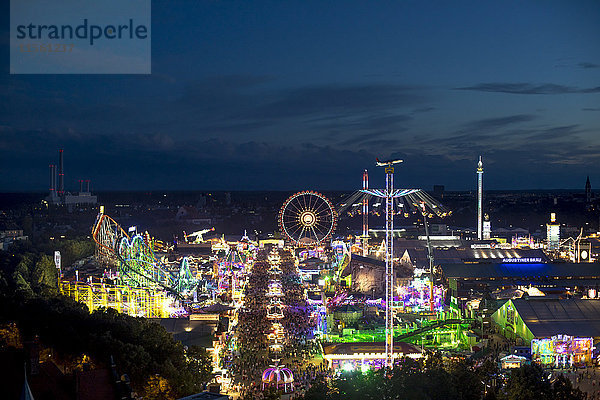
{"x":549,"y":317}
{"x":521,"y":270}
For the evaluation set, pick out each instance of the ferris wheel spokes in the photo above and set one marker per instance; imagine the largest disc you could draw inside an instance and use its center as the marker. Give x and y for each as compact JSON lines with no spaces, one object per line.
{"x":308,"y":217}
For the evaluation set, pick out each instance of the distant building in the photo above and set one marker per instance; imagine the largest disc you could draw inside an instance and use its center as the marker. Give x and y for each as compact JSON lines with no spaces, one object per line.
{"x":474,"y":254}
{"x":8,"y":236}
{"x":550,"y":278}
{"x":553,"y":234}
{"x":487,"y":228}
{"x":58,"y":195}
{"x":588,"y":191}
{"x":190,"y":214}
{"x":438,"y":229}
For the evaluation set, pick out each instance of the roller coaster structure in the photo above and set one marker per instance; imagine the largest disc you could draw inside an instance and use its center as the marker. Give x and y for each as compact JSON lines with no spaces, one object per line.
{"x":138,"y":266}
{"x":138,"y":302}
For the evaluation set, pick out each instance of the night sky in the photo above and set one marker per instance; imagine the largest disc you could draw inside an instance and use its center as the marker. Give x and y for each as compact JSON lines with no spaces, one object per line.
{"x":252,"y":95}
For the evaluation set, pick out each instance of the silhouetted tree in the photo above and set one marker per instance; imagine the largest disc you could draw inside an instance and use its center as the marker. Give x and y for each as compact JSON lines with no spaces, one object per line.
{"x":527,"y":383}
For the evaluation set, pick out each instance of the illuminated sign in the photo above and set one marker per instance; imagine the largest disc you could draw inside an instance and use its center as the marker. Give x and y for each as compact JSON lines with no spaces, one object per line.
{"x":204,"y":317}
{"x":522,"y":260}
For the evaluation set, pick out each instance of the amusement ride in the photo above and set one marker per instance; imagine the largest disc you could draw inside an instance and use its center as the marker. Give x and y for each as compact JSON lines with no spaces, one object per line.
{"x":307,"y":218}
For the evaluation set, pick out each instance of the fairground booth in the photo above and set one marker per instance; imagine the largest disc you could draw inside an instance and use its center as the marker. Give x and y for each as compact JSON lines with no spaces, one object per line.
{"x":364,"y":355}
{"x":561,"y":332}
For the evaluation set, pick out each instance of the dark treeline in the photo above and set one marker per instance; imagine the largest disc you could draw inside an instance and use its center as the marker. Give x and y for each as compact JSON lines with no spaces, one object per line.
{"x":433,"y":379}
{"x":30,"y":303}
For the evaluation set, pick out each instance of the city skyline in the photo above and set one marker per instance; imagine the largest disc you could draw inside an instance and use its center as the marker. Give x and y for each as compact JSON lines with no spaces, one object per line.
{"x":301,"y":95}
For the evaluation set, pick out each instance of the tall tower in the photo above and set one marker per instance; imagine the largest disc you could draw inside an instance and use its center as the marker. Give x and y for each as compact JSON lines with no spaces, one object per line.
{"x":389,"y":264}
{"x":61,"y":174}
{"x":365,"y":216}
{"x":479,"y":199}
{"x":52,"y":180}
{"x":588,"y":191}
{"x":389,"y":194}
{"x":409,"y":197}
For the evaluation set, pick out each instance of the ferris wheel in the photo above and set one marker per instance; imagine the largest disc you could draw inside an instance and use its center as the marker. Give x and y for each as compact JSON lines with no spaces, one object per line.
{"x":307,"y":218}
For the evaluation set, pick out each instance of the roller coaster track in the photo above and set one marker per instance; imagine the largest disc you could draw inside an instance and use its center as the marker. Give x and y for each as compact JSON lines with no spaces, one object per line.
{"x":136,"y":261}
{"x":435,"y":325}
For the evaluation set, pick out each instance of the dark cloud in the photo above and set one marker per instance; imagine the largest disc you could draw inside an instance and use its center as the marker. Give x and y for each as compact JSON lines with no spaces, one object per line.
{"x":588,"y":65}
{"x":590,"y":109}
{"x":346,"y":99}
{"x":364,"y":125}
{"x":559,"y":132}
{"x":163,"y":161}
{"x":364,"y":138}
{"x":528,"y":88}
{"x":423,"y":110}
{"x":497,"y":123}
{"x":481,"y":131}
{"x":220,"y":86}
{"x":381,"y":144}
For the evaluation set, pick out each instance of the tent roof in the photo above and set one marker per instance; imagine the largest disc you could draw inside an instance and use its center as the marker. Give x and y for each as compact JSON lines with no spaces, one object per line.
{"x":549,"y":317}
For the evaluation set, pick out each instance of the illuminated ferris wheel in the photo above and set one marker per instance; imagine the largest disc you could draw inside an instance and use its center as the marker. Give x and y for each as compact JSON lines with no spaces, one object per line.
{"x":307,"y":218}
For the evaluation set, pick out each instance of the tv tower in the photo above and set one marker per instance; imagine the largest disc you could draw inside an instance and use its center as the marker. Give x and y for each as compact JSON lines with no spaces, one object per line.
{"x":365,"y":216}
{"x":480,"y":199}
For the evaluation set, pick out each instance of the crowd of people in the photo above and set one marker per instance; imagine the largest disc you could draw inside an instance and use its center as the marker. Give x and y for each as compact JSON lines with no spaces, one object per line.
{"x":256,"y":346}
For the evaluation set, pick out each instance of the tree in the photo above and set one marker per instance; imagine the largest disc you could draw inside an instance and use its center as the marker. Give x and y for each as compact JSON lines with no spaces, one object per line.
{"x":467,"y":383}
{"x":44,"y":276}
{"x":158,"y":388}
{"x":199,"y":364}
{"x":319,"y":390}
{"x":562,"y":389}
{"x":527,"y":383}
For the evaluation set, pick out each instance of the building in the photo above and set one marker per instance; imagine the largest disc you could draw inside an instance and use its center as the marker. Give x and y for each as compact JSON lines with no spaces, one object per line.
{"x":368,"y":275}
{"x":355,"y":355}
{"x":474,"y":254}
{"x":487,"y":229}
{"x":588,"y":191}
{"x":553,"y":234}
{"x":561,"y":332}
{"x":59,"y":196}
{"x":9,"y":236}
{"x":438,"y":190}
{"x":543,"y":318}
{"x":556,"y":278}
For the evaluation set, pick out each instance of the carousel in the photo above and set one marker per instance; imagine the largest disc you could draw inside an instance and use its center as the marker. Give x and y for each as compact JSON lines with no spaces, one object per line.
{"x":278,"y":376}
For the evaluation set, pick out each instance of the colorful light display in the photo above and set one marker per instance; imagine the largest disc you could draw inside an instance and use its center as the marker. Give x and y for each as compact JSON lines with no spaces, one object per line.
{"x":278,"y":376}
{"x":137,"y":302}
{"x":138,"y":265}
{"x":562,"y":350}
{"x":415,"y":297}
